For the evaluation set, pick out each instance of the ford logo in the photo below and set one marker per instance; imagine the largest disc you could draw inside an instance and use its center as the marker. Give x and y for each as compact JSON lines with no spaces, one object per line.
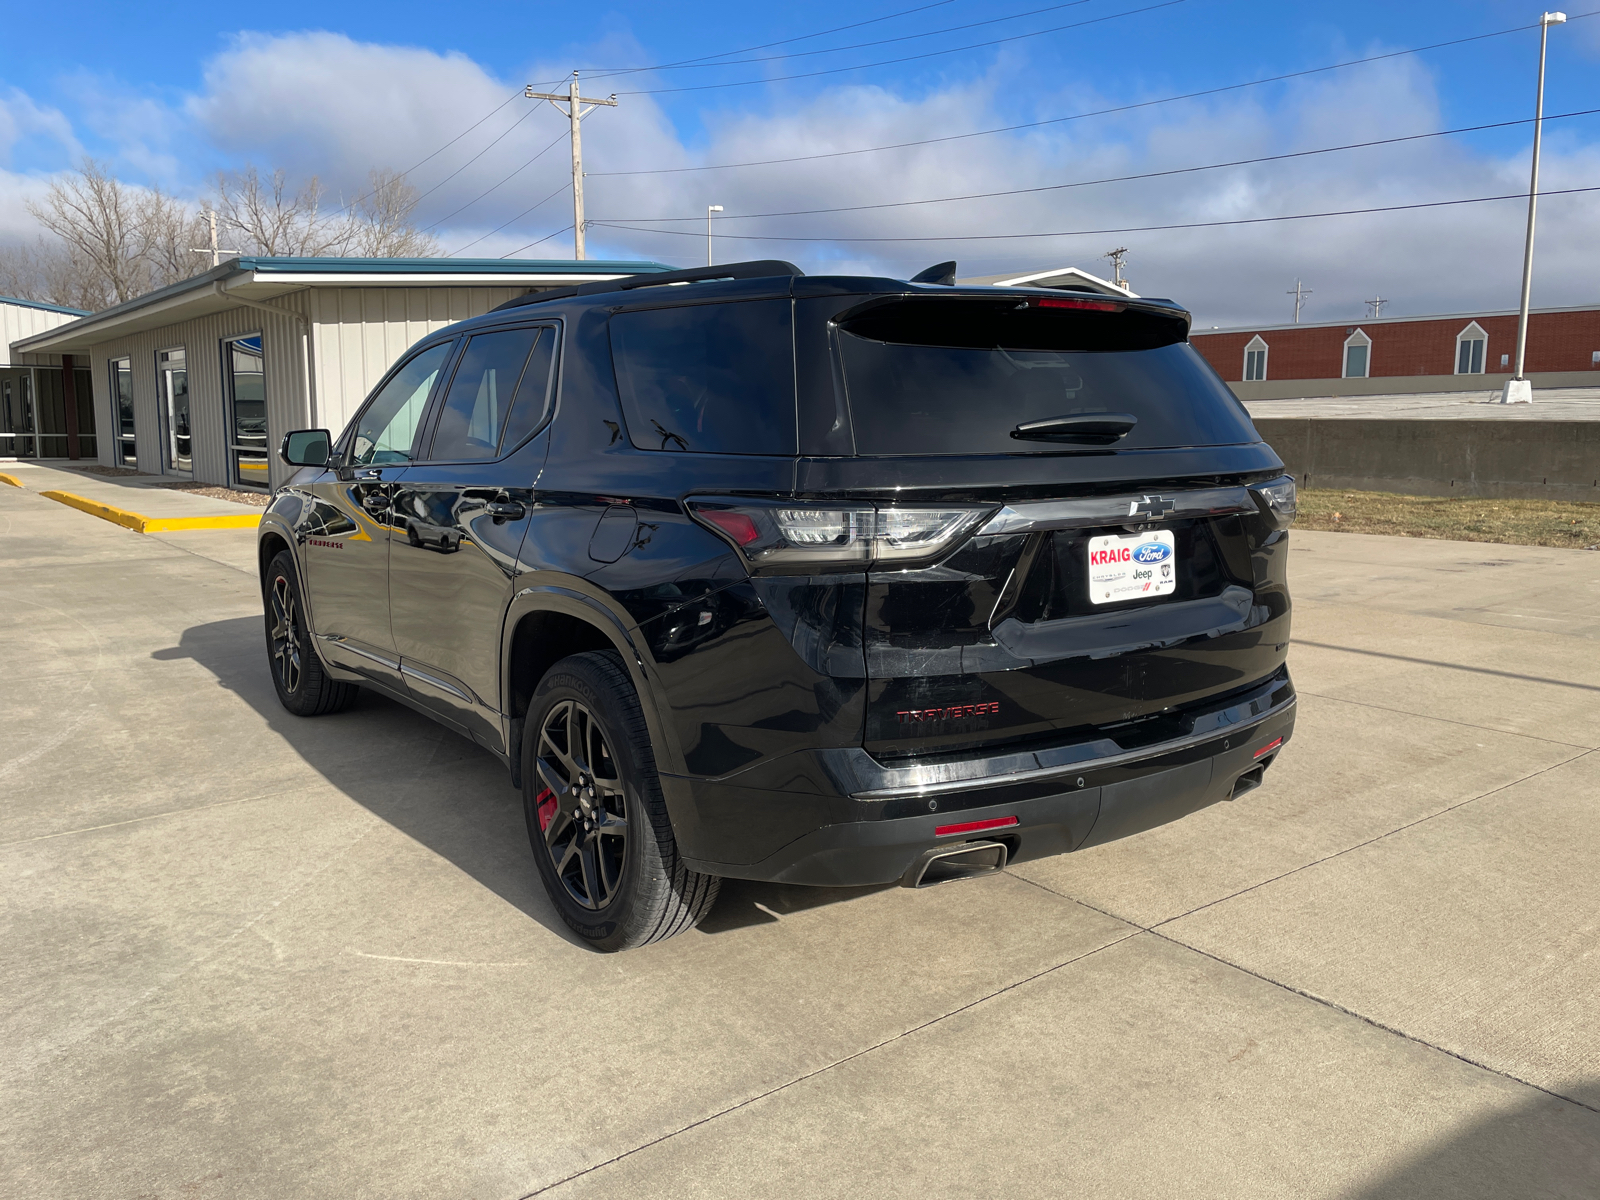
{"x":1151,"y":552}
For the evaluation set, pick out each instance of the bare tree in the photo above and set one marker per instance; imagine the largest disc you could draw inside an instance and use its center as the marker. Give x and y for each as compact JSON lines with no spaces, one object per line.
{"x":264,"y":216}
{"x":100,"y":220}
{"x":381,"y":225}
{"x":173,"y":230}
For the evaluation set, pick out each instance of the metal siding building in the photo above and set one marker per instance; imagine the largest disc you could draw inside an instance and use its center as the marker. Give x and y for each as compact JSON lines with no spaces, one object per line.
{"x":325,"y":331}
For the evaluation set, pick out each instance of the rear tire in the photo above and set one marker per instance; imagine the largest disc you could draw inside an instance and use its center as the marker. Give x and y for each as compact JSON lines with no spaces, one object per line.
{"x":596,"y":817}
{"x":303,"y":684}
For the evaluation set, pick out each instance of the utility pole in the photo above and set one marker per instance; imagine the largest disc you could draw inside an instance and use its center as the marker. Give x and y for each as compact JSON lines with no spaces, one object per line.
{"x":1300,"y":293}
{"x":1119,"y":258}
{"x":710,"y":208}
{"x":572,"y":103}
{"x":1518,"y":390}
{"x":216,"y":254}
{"x":1375,"y":307}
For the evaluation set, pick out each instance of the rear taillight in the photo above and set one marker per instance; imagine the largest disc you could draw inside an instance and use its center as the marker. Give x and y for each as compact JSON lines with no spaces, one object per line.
{"x":784,"y":538}
{"x":1279,"y":499}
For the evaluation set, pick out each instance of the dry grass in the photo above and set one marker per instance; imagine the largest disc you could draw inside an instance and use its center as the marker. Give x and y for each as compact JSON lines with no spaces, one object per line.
{"x":96,"y":469}
{"x":1560,"y":523}
{"x":258,"y":499}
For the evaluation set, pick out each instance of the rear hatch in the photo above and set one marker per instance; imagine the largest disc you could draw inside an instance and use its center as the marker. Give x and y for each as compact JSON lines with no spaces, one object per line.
{"x":1126,"y":563}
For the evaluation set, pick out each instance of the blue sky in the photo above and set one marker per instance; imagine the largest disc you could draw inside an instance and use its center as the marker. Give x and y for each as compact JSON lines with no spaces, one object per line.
{"x":169,"y":94}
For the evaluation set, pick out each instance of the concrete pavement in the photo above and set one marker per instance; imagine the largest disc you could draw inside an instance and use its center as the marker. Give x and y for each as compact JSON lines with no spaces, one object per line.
{"x":249,"y":955}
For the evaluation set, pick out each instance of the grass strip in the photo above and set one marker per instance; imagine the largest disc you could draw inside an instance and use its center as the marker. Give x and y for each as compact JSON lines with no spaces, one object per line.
{"x":1562,"y":523}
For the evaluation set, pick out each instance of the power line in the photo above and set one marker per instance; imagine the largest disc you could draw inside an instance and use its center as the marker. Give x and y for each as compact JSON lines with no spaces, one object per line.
{"x":513,"y":220}
{"x":603,"y":72}
{"x":545,"y":238}
{"x":503,"y":182}
{"x":478,"y":155}
{"x":1099,"y":112}
{"x":692,"y":64}
{"x":1055,"y":187}
{"x":994,"y":237}
{"x":705,"y":87}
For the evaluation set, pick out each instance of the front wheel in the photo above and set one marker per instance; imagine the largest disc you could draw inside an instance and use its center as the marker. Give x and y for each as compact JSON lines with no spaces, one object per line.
{"x":596,"y":817}
{"x":302,"y":683}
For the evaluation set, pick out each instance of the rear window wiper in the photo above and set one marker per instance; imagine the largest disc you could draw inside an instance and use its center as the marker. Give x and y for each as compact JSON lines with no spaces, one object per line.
{"x":1094,"y":429}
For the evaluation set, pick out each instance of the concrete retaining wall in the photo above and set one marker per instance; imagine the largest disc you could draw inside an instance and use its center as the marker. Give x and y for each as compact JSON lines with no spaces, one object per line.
{"x":1554,"y":460}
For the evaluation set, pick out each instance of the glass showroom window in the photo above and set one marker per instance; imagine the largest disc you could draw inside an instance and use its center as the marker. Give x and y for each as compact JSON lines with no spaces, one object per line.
{"x":244,"y":378}
{"x":122,"y":408}
{"x":1255,"y":361}
{"x":1357,"y":355}
{"x":1472,"y":345}
{"x":172,"y":381}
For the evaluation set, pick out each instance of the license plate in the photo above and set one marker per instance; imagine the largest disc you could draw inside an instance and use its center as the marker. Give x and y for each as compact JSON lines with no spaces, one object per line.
{"x":1132,"y":567}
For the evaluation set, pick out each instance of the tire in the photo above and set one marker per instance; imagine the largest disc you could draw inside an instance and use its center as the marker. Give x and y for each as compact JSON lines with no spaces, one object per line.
{"x":302,"y":682}
{"x":596,"y":818}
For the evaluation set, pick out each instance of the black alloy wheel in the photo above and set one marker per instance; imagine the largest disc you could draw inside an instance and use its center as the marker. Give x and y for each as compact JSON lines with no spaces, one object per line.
{"x":283,"y":634}
{"x":303,"y":684}
{"x":598,"y":823}
{"x":581,"y":808}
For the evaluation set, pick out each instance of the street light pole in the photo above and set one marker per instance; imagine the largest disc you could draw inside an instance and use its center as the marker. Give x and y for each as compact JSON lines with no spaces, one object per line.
{"x":710,"y":208}
{"x":1518,"y":390}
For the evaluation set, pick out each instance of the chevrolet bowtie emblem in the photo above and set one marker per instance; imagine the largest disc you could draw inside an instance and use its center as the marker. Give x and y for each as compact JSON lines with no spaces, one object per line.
{"x":1153,"y":507}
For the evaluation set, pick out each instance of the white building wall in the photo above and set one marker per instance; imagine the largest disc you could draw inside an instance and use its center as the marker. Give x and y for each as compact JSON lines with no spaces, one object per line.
{"x":18,"y":321}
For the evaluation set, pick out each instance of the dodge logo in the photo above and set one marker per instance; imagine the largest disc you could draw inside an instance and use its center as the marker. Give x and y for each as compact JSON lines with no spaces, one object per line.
{"x":1153,"y":507}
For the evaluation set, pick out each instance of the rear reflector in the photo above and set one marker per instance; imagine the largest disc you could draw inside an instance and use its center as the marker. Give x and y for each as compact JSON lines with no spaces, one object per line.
{"x":1269,"y":747}
{"x":735,"y":524}
{"x":975,"y":826}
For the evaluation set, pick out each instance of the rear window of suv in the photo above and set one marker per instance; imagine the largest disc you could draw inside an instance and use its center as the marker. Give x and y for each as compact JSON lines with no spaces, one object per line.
{"x":956,"y":375}
{"x":709,"y":378}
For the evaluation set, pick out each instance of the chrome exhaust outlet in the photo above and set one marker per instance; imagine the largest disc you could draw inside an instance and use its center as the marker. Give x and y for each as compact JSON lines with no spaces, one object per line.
{"x":961,"y":860}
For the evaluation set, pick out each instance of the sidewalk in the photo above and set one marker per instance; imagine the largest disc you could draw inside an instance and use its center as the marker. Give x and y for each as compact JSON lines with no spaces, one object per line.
{"x":140,"y":495}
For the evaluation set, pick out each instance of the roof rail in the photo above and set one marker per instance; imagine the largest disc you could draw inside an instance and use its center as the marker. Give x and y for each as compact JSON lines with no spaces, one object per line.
{"x":760,"y":269}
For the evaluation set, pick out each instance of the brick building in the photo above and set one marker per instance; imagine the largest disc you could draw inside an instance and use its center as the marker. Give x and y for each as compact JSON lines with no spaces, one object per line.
{"x":1465,"y":352}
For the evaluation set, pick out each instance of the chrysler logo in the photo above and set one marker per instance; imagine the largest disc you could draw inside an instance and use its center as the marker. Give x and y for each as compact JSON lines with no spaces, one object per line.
{"x":1153,"y":507}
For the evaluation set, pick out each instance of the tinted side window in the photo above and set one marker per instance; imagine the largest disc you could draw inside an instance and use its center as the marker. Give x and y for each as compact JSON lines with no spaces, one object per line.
{"x":712,"y":378}
{"x":500,"y":373}
{"x":387,"y":427}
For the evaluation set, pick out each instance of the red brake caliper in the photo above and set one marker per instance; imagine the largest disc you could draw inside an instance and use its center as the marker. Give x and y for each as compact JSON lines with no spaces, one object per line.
{"x":545,"y":805}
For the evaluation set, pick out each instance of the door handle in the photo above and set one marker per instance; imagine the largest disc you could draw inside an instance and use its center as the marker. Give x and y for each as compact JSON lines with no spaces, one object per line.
{"x":503,"y":511}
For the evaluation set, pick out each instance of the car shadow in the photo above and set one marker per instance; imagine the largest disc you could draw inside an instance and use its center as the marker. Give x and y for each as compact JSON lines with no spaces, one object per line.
{"x":1542,"y":1145}
{"x":439,"y":788}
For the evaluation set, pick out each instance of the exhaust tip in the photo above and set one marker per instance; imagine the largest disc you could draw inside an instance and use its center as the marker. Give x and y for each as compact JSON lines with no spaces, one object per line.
{"x":1248,"y":782}
{"x":964,"y":860}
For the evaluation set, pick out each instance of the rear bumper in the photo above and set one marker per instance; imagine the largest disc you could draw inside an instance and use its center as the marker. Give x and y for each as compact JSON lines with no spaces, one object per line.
{"x":845,"y":819}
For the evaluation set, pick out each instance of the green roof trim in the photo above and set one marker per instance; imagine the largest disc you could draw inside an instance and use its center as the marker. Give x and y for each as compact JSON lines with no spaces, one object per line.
{"x":58,"y":308}
{"x":448,"y":266}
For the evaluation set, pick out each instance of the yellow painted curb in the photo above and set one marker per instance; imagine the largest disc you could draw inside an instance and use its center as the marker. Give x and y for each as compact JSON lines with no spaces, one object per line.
{"x":140,"y":523}
{"x":11,"y":479}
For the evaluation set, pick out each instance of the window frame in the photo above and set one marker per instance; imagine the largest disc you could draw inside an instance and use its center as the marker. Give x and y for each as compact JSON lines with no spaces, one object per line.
{"x":169,"y":443}
{"x":435,"y":410}
{"x":346,"y":440}
{"x":1356,"y":337}
{"x":123,"y":440}
{"x":1256,"y":345}
{"x":1473,"y":333}
{"x":231,"y":446}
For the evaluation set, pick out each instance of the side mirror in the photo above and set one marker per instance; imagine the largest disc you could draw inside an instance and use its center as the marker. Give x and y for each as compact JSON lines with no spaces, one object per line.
{"x":306,"y":448}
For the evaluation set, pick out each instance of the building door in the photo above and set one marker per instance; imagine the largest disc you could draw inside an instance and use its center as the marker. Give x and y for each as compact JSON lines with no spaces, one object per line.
{"x":16,"y":415}
{"x":172,"y":373}
{"x":245,"y":382}
{"x":121,"y":370}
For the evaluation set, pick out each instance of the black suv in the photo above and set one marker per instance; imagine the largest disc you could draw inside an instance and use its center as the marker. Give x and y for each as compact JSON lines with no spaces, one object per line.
{"x":824,"y":580}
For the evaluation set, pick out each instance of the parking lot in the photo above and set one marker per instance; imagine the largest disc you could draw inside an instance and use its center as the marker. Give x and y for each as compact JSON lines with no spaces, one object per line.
{"x":252,"y":955}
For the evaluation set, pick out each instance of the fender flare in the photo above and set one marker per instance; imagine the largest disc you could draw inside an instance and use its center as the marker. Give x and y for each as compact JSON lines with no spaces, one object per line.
{"x":574,"y":598}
